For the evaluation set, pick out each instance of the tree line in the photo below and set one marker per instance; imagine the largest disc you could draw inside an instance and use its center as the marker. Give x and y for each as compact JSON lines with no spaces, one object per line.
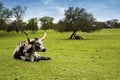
{"x":76,"y":19}
{"x":17,"y":13}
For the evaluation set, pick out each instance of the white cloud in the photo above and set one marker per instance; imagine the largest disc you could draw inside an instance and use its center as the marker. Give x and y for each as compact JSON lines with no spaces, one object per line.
{"x":60,"y":9}
{"x":46,"y":1}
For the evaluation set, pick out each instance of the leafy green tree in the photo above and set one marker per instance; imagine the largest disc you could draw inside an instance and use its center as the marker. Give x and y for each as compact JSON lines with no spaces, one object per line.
{"x":32,"y":24}
{"x":46,"y":22}
{"x":5,"y":15}
{"x":76,"y":19}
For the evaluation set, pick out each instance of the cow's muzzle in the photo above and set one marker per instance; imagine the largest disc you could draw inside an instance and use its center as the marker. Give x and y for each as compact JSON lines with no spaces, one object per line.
{"x":43,"y":50}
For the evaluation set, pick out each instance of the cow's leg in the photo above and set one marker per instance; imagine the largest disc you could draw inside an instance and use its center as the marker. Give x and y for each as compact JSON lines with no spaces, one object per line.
{"x":23,"y":58}
{"x":27,"y":57}
{"x":44,"y":58}
{"x":16,"y":55}
{"x":39,"y":57}
{"x":32,"y":57}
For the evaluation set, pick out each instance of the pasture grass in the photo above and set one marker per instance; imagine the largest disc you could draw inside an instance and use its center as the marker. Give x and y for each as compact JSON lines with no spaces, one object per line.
{"x":96,"y":57}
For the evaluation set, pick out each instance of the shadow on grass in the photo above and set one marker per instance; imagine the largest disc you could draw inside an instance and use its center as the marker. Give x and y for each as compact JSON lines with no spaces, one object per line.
{"x":77,"y":39}
{"x":90,"y":38}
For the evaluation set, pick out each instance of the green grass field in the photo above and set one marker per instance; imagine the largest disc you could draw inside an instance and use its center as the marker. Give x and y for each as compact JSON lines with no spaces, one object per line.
{"x":96,"y":57}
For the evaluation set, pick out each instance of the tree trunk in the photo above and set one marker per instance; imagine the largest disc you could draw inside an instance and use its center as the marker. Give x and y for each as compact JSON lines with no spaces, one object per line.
{"x":72,"y":35}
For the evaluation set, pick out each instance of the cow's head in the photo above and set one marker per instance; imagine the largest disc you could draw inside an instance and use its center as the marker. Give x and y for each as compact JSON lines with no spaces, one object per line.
{"x":37,"y":44}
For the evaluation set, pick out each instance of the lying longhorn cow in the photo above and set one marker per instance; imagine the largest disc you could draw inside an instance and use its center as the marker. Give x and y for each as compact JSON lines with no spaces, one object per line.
{"x":27,"y":50}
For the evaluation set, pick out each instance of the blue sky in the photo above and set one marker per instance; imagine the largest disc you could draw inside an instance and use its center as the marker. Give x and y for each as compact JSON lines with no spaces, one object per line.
{"x":101,"y":9}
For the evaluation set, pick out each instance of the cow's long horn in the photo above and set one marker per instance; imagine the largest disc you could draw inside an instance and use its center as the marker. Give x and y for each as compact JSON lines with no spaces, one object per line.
{"x":27,"y":36}
{"x":43,"y":36}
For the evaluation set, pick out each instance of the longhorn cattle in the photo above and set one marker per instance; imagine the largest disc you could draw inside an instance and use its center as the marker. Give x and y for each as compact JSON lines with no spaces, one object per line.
{"x":27,"y":50}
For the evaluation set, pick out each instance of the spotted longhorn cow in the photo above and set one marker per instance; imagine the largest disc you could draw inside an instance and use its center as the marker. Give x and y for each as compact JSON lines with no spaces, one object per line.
{"x":27,"y":50}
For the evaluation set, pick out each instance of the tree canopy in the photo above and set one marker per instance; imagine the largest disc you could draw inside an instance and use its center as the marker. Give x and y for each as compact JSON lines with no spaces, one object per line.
{"x":18,"y":12}
{"x":32,"y":24}
{"x":46,"y":22}
{"x":5,"y":14}
{"x":76,"y":19}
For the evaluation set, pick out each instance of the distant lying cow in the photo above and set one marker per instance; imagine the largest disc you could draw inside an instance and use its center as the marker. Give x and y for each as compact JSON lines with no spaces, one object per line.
{"x":27,"y":50}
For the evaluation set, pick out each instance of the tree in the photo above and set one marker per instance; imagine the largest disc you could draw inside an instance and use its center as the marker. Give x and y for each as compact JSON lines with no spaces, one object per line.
{"x":119,"y":25}
{"x":13,"y":26}
{"x":18,"y":13}
{"x":113,"y":23}
{"x":76,"y":19}
{"x":100,"y":24}
{"x":46,"y":22}
{"x":32,"y":24}
{"x":5,"y":14}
